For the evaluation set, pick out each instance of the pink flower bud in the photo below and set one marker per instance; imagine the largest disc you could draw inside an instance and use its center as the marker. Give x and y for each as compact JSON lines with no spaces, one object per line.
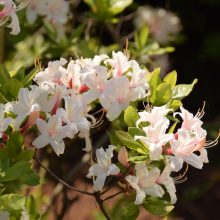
{"x":123,"y":156}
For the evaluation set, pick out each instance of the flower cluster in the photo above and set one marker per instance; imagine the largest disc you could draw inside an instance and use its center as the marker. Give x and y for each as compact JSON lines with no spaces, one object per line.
{"x":156,"y":143}
{"x":114,"y":82}
{"x":187,"y":144}
{"x":8,"y":12}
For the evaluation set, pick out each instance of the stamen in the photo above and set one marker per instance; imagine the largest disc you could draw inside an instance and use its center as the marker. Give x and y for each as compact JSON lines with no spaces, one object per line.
{"x":100,"y":121}
{"x":180,"y":181}
{"x":201,"y":111}
{"x":178,"y":178}
{"x":22,"y":5}
{"x":211,"y":143}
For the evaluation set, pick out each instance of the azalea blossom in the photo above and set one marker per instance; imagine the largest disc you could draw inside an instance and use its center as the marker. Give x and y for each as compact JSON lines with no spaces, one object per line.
{"x":155,"y":138}
{"x":115,"y":97}
{"x":145,"y":183}
{"x":52,"y":73}
{"x":155,"y":115}
{"x":183,"y":149}
{"x":103,"y":168}
{"x":74,"y":115}
{"x":138,"y":84}
{"x":119,"y":63}
{"x":53,"y":133}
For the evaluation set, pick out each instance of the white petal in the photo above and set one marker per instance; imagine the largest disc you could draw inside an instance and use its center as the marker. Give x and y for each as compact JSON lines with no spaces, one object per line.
{"x":57,"y":145}
{"x":113,"y":170}
{"x":41,"y":141}
{"x":99,"y":182}
{"x":194,"y":161}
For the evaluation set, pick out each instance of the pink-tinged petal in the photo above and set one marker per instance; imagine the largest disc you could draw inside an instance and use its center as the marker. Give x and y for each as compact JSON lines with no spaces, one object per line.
{"x":176,"y":163}
{"x":41,"y":141}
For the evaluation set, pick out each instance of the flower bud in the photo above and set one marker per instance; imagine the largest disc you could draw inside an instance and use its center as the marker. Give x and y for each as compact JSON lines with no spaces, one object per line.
{"x":123,"y":156}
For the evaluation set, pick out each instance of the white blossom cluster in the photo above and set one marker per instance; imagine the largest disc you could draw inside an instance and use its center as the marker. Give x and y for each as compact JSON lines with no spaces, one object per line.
{"x":187,"y":144}
{"x":114,"y":82}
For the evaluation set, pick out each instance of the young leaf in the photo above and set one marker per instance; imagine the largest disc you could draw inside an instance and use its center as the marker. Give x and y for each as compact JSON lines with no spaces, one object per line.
{"x":129,"y":142}
{"x":183,"y":90}
{"x":131,"y":116}
{"x":171,"y":78}
{"x":136,"y":131}
{"x":163,"y":94}
{"x":154,"y":81}
{"x":138,"y":159}
{"x":158,"y":206}
{"x":174,"y":104}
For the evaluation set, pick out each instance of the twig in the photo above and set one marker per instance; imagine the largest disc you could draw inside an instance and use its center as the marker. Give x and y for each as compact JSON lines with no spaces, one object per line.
{"x":61,"y":181}
{"x":112,"y":196}
{"x":100,"y":203}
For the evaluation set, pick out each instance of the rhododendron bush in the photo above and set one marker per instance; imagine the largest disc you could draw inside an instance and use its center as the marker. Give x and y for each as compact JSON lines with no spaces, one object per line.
{"x":152,"y":138}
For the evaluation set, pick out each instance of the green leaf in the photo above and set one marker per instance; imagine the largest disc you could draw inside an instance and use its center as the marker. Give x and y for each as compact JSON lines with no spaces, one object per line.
{"x":12,"y":202}
{"x":21,"y":171}
{"x":138,"y":159}
{"x":25,"y":155}
{"x":154,"y":81}
{"x":20,"y":74}
{"x":4,"y":74}
{"x":172,"y":128}
{"x":171,"y":78}
{"x":131,"y":116}
{"x":158,"y":206}
{"x":129,"y":142}
{"x":141,"y":37}
{"x":175,"y":104}
{"x":16,"y":171}
{"x":11,"y":88}
{"x":125,"y":209}
{"x":15,"y":144}
{"x":117,"y":6}
{"x":28,"y":78}
{"x":163,"y":94}
{"x":113,"y":138}
{"x":183,"y":90}
{"x":136,"y":131}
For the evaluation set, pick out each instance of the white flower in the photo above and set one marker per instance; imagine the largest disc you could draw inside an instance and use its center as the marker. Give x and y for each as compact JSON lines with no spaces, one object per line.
{"x":155,"y":138}
{"x":52,"y":73}
{"x":96,"y":80}
{"x":145,"y":183}
{"x":74,"y":115}
{"x":4,"y":122}
{"x":53,"y":133}
{"x":138,"y":84}
{"x":119,"y":62}
{"x":155,"y":115}
{"x":166,"y":180}
{"x":183,"y":148}
{"x":103,"y":167}
{"x":115,"y":97}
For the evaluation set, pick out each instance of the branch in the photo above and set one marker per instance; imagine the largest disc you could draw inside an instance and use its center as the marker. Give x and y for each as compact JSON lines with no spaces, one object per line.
{"x":61,"y":181}
{"x":112,"y":196}
{"x":100,"y":203}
